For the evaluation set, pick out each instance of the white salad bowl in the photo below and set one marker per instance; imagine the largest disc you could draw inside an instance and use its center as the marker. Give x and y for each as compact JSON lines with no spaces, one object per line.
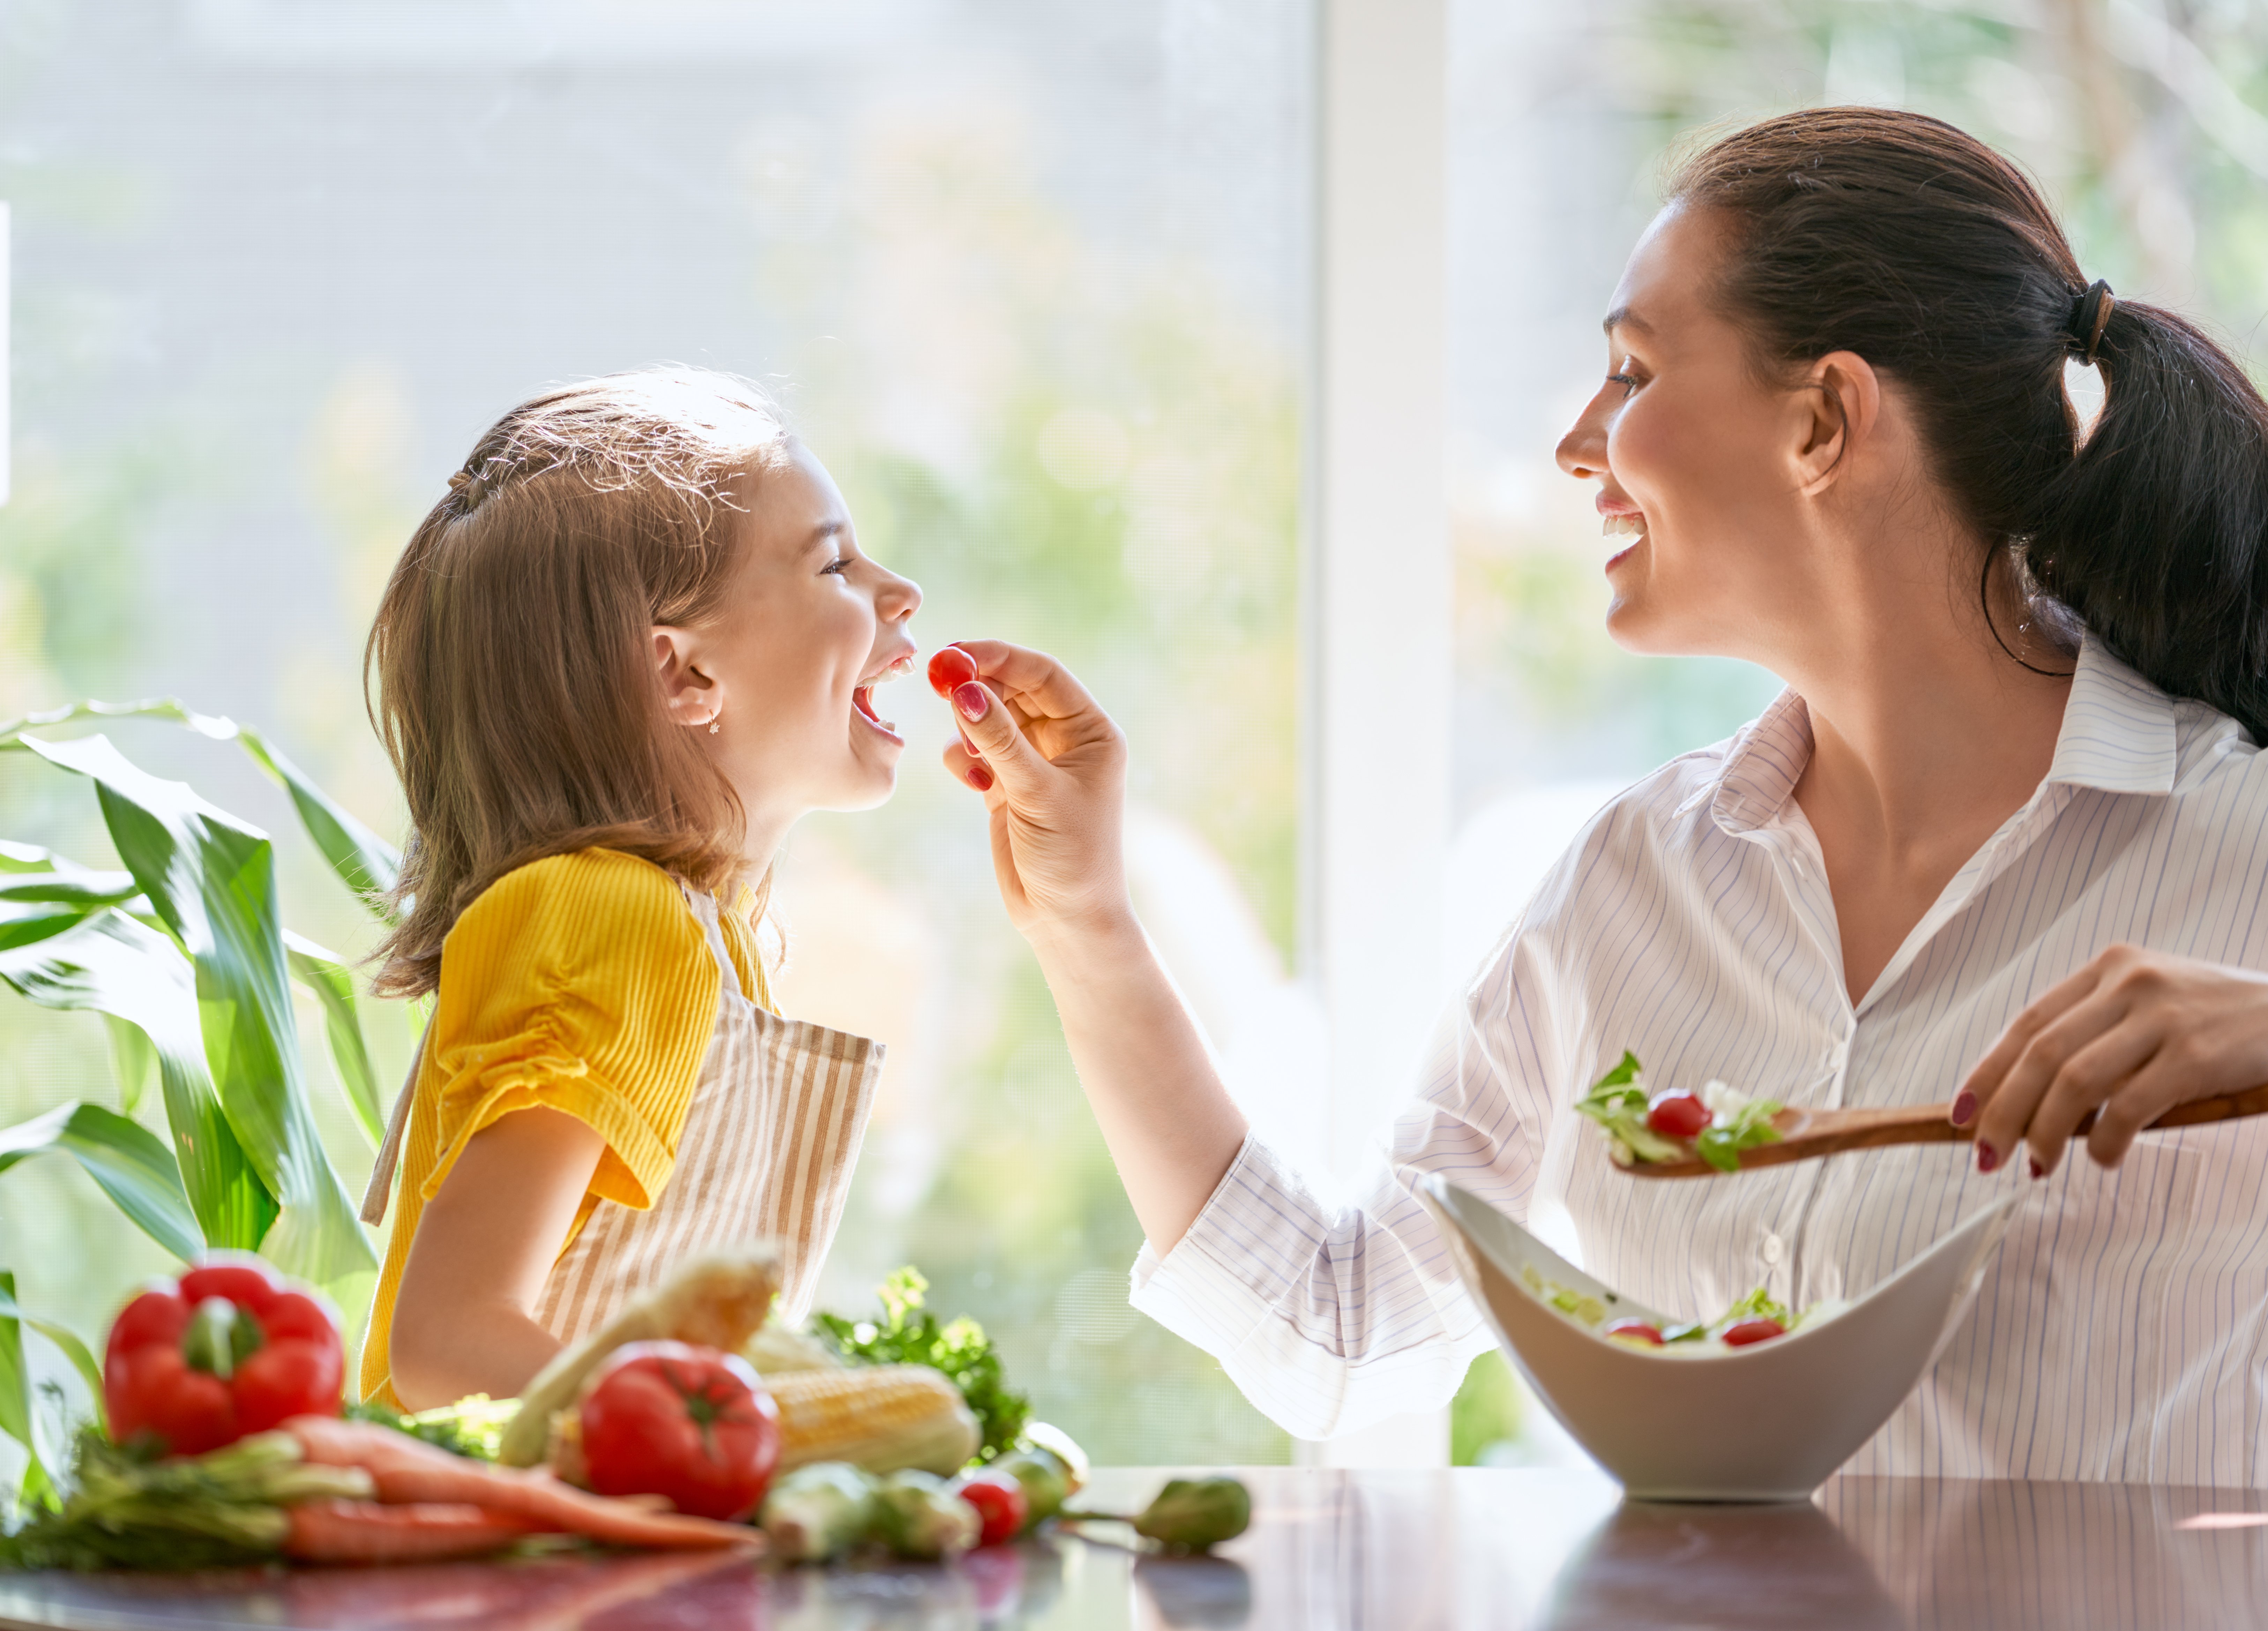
{"x":1765,"y":1422}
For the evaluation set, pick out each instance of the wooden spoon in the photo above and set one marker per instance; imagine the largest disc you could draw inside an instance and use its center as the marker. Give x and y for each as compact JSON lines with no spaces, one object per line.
{"x":1806,"y":1134}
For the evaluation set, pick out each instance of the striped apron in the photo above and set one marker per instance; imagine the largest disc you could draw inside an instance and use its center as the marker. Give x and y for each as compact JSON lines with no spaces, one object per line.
{"x":766,"y":1152}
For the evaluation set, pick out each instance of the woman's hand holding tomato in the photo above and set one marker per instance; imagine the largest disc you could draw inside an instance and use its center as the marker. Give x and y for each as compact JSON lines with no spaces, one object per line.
{"x":1052,"y":767}
{"x":2129,"y":1036}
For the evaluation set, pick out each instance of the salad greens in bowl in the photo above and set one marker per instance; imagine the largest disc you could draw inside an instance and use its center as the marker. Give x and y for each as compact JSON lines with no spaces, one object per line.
{"x":1761,"y":1404}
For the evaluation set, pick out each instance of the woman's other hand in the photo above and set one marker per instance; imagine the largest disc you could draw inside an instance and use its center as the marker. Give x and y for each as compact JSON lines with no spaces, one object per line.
{"x":1052,"y":767}
{"x":2133,"y":1034}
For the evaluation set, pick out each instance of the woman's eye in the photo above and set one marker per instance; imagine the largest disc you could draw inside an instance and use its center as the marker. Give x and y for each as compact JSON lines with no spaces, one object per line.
{"x":841,"y":564}
{"x":1628,"y":382}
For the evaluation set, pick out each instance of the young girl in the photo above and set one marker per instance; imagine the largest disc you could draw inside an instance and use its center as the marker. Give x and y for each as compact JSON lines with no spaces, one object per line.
{"x":633,"y":644}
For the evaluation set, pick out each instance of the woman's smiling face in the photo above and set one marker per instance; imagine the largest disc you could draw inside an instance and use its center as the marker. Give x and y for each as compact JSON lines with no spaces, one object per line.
{"x":1696,"y":459}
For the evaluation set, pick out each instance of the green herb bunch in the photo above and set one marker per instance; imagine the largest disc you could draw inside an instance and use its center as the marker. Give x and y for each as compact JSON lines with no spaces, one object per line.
{"x":471,"y":1427}
{"x":910,"y":1335}
{"x":129,"y":1509}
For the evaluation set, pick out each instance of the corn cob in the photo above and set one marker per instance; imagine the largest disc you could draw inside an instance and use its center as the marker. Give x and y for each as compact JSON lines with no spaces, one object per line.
{"x":880,"y":1419}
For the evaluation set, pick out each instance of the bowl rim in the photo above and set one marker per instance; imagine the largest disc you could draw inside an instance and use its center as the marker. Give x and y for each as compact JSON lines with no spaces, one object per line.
{"x":1444,"y":1194}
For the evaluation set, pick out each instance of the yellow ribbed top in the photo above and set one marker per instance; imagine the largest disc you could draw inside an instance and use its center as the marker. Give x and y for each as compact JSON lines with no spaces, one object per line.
{"x":581,"y":982}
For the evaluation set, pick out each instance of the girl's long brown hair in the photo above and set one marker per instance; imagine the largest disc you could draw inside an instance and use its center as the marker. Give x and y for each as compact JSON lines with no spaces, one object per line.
{"x":515,"y":692}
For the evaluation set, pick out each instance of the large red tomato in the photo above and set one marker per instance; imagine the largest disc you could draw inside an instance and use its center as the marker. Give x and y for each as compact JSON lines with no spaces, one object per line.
{"x":688,"y":1422}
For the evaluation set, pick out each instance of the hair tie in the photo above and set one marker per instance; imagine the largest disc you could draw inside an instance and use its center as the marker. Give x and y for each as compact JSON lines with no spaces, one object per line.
{"x":460,"y":479}
{"x":2090,"y":314}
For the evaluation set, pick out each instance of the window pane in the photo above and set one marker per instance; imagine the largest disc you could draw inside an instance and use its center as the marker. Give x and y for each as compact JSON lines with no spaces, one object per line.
{"x":1033,"y":279}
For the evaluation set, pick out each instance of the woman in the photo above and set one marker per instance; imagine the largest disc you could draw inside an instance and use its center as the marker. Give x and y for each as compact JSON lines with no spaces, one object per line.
{"x":2026,"y":681}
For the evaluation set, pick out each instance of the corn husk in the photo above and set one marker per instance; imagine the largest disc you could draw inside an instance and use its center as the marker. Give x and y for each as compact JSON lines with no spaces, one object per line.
{"x":717,"y":1299}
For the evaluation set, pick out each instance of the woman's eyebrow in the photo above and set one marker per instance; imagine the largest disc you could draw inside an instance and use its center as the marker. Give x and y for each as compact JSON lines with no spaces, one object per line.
{"x":1623,"y":317}
{"x":825,"y":533}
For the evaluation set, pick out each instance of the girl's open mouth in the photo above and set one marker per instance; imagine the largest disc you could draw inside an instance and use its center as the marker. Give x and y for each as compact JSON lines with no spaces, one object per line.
{"x":862,"y":695}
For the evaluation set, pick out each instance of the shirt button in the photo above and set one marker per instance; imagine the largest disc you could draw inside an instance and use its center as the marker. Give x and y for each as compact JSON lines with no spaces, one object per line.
{"x":1773,"y":1250}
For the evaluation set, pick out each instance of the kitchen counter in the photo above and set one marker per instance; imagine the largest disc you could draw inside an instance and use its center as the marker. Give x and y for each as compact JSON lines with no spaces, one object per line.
{"x":1393,"y":1551}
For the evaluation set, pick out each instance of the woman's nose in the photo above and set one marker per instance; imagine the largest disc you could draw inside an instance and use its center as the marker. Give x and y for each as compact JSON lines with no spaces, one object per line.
{"x":1582,"y":451}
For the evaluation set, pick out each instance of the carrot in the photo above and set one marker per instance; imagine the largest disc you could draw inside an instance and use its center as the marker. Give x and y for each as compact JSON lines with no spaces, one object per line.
{"x":407,"y":1471}
{"x":366,"y":1531}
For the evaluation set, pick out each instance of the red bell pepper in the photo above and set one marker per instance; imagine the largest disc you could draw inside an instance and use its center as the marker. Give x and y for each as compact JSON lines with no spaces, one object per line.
{"x":228,"y":1349}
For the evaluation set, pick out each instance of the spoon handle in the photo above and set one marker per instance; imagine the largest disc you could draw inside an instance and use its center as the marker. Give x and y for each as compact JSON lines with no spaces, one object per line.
{"x":1808,"y":1134}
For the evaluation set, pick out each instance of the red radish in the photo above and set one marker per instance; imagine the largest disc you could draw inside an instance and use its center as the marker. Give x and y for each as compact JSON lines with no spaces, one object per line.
{"x":951,"y":667}
{"x":1634,"y":1331}
{"x":1678,"y":1115}
{"x":1744,"y":1332}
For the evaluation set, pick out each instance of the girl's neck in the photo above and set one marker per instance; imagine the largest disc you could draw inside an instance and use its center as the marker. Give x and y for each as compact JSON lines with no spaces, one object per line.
{"x":763,"y":835}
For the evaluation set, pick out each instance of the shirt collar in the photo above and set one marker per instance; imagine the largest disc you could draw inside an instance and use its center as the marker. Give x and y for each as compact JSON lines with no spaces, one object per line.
{"x":2117,"y":736}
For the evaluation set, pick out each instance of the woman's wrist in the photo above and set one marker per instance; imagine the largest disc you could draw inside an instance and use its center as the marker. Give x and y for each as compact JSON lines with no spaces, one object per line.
{"x":1103,"y":933}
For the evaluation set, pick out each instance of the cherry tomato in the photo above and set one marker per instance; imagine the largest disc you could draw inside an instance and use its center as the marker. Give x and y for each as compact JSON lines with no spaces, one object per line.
{"x":951,"y":666}
{"x":1634,"y":1331}
{"x":1678,"y":1115}
{"x":999,"y":1500}
{"x":1757,"y":1330}
{"x":686,"y":1422}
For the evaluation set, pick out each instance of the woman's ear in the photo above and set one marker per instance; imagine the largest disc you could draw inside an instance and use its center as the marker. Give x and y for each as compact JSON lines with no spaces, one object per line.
{"x":1841,"y":408}
{"x":692,"y":696}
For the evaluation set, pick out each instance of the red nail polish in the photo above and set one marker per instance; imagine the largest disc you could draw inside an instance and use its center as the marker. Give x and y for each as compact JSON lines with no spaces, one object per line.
{"x":980,"y":778}
{"x":1987,"y":1157}
{"x":970,"y":700}
{"x":1963,"y":1108}
{"x":2037,"y":1169}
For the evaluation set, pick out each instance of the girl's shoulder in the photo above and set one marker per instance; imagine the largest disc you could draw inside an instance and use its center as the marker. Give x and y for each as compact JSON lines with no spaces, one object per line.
{"x":586,"y":899}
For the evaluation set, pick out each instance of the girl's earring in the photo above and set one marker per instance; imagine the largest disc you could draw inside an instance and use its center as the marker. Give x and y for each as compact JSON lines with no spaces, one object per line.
{"x":713,"y":718}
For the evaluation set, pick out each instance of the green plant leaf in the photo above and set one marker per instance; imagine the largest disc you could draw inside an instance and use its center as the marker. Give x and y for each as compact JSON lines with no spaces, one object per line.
{"x":64,"y":1338}
{"x":42,"y":894}
{"x":363,"y":861}
{"x":212,"y":881}
{"x":125,"y":1159}
{"x":321,"y":973}
{"x":18,"y":1417}
{"x":133,"y":1061}
{"x":122,"y":968}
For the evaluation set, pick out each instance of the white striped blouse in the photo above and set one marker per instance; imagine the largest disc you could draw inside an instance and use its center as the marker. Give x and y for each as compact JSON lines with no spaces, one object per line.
{"x":2122,"y":1332}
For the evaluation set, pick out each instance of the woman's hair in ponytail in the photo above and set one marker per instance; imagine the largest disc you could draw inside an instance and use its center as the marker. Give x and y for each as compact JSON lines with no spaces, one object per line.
{"x":1903,"y":239}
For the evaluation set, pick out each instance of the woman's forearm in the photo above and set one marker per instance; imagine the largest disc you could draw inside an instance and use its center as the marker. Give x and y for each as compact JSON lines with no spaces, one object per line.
{"x":1171,"y":1126}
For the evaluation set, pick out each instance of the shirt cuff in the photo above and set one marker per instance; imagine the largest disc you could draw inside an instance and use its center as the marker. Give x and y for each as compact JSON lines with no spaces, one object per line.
{"x":1234,"y":1283}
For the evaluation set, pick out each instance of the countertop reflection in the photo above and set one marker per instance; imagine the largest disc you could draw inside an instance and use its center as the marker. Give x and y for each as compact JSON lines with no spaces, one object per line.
{"x":1396,"y":1551}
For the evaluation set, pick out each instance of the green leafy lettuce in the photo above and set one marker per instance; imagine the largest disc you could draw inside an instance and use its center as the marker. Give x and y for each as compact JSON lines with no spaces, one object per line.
{"x":1721,"y":1142}
{"x":1618,"y":1102}
{"x":910,"y":1335}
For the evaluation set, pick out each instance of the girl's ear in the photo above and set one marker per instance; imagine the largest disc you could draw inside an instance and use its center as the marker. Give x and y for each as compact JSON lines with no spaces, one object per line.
{"x":691,"y":695}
